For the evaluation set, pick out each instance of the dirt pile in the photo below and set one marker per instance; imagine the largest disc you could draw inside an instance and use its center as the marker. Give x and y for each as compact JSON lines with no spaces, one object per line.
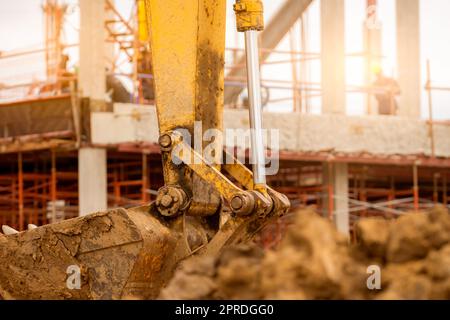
{"x":314,"y":261}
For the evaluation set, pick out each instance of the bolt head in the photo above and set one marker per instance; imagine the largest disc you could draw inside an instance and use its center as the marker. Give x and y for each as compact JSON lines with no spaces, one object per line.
{"x":237,"y":203}
{"x":171,"y":200}
{"x":166,"y":201}
{"x":165,"y":141}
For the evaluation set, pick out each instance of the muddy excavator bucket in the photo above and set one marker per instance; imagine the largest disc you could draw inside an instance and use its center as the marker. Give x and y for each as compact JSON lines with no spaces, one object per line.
{"x":119,"y":254}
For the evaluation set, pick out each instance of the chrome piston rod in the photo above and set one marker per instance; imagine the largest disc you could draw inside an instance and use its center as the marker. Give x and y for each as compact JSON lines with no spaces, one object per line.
{"x":254,"y":95}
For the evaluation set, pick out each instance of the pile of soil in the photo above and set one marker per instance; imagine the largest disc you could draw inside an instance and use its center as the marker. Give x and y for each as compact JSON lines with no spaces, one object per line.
{"x":314,"y":261}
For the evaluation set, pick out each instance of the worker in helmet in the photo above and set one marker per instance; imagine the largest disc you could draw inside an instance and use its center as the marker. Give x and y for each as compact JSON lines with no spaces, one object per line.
{"x":386,"y":90}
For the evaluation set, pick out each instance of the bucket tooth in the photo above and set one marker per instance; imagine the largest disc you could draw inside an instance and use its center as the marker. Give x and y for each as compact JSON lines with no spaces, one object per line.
{"x":7,"y":230}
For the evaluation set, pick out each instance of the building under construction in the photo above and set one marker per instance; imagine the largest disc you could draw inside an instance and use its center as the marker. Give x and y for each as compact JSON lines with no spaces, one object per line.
{"x":85,"y":137}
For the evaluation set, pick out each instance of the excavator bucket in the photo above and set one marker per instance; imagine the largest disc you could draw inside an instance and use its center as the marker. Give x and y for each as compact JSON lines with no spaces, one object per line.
{"x":119,"y":254}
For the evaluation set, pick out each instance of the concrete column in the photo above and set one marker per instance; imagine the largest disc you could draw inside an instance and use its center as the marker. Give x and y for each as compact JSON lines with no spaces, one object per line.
{"x":372,"y":43}
{"x":92,"y":74}
{"x":92,"y":180}
{"x":334,"y":102}
{"x":341,"y":198}
{"x":336,"y":177}
{"x":333,"y":56}
{"x":408,"y":49}
{"x":92,"y":188}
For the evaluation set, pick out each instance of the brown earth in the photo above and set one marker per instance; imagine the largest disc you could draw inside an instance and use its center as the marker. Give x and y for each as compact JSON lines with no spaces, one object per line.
{"x":314,"y":261}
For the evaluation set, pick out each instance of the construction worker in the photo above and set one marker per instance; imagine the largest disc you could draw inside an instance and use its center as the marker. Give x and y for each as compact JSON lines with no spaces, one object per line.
{"x":386,"y":90}
{"x":65,"y":76}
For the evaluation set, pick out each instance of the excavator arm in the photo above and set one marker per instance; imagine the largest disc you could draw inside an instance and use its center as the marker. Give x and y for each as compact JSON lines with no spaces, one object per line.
{"x":205,"y":204}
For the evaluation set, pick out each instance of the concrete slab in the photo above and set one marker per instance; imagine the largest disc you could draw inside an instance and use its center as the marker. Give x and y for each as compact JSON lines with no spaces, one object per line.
{"x":377,"y":135}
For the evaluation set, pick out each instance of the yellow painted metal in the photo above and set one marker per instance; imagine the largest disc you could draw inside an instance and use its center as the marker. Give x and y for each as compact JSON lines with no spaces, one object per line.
{"x":174,"y":54}
{"x":143,"y":31}
{"x":188,"y":45}
{"x":265,"y":198}
{"x":187,"y":42}
{"x":210,"y":63}
{"x":210,"y":174}
{"x":249,"y":15}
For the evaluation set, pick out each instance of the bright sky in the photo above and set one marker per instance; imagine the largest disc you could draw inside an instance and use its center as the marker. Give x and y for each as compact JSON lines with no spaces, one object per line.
{"x":21,"y":26}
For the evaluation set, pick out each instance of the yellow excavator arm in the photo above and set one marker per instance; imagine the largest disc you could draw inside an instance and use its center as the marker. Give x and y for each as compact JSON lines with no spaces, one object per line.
{"x":204,"y":205}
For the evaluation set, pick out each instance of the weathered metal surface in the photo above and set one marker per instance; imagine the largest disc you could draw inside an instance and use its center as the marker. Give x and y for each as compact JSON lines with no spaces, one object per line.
{"x":121,"y":254}
{"x":188,"y":45}
{"x":249,"y":15}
